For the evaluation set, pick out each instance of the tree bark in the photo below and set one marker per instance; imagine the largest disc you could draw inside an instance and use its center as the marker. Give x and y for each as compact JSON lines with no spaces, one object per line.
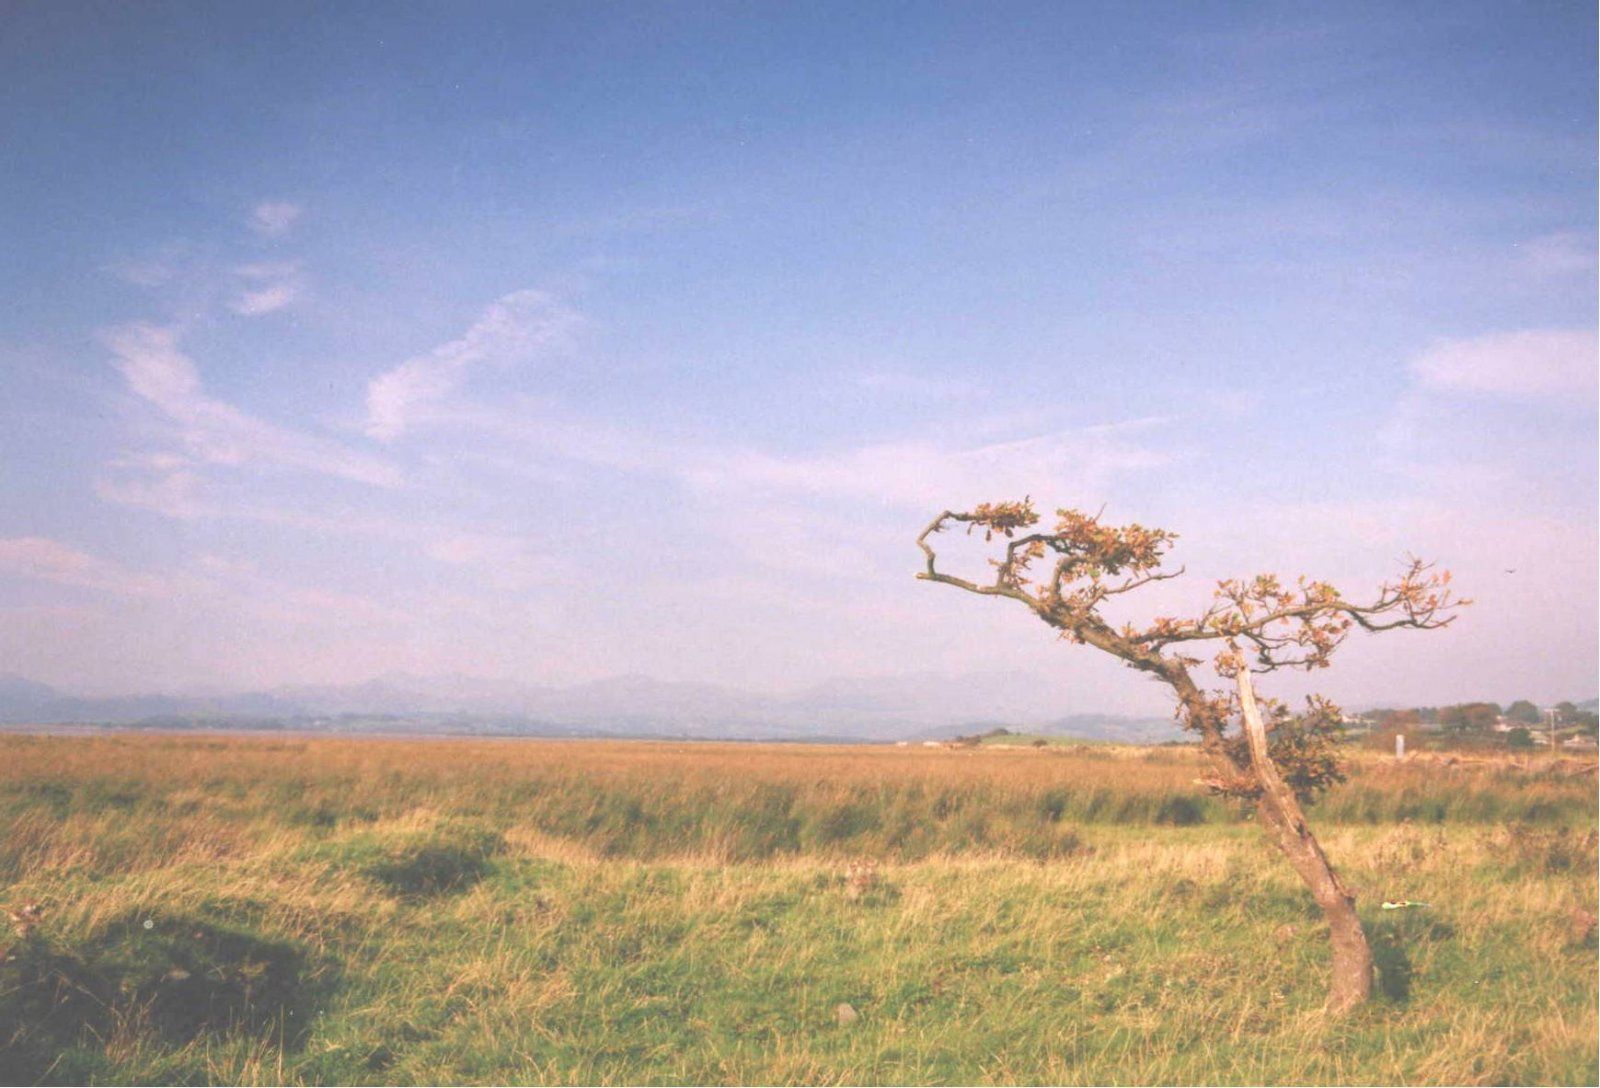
{"x":1351,"y":984}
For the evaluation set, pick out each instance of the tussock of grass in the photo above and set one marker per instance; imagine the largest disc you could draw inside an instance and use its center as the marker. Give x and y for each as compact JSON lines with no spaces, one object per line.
{"x":443,"y":859}
{"x":444,"y":919}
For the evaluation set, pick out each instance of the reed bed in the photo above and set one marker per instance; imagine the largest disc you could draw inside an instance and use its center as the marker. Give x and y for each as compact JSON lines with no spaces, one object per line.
{"x":642,"y":800}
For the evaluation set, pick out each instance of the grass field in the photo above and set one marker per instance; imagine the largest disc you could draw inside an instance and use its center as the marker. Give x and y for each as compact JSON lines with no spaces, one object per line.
{"x":253,"y":910}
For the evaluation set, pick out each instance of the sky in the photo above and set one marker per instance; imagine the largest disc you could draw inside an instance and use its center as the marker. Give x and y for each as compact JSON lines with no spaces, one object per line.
{"x":552,"y":342}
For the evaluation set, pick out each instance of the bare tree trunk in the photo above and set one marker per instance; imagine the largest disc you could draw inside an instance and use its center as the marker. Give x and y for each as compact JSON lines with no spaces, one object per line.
{"x":1352,"y":956}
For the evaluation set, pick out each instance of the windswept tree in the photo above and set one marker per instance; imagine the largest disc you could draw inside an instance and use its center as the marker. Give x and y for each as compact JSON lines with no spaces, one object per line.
{"x":1274,"y":760}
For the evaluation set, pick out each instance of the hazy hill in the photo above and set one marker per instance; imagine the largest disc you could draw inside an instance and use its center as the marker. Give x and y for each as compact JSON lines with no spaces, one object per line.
{"x":890,"y":708}
{"x":909,"y":707}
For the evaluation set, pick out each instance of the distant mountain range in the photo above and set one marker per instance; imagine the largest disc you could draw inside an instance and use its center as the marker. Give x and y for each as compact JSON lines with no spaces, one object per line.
{"x":881,"y":709}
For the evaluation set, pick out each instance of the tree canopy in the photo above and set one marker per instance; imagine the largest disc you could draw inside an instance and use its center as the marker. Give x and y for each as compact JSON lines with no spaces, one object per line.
{"x":1523,"y":711}
{"x":1068,"y":573}
{"x":1469,"y":717}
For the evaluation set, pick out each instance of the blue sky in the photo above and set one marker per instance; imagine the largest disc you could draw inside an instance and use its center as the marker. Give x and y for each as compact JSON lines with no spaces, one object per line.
{"x":551,"y":342}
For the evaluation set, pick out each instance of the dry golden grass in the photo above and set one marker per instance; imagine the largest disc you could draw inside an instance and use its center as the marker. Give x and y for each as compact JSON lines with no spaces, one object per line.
{"x":194,"y":768}
{"x":496,"y":911}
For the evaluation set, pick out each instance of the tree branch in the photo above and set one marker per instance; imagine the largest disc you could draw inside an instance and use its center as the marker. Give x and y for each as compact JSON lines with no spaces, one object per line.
{"x":932,"y":574}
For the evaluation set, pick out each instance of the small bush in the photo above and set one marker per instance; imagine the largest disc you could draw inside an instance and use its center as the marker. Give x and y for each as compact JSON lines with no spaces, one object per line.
{"x":1180,"y":811}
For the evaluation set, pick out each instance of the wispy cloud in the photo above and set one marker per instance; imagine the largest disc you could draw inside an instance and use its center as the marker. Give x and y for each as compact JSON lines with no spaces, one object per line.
{"x":1530,"y":364}
{"x":512,"y":330}
{"x":212,"y":431}
{"x":194,"y":279}
{"x":503,"y":561}
{"x":1564,"y":253}
{"x":172,"y":490}
{"x":924,"y":474}
{"x":256,"y":301}
{"x":265,"y":288}
{"x":211,"y":581}
{"x":52,"y":561}
{"x":151,"y":273}
{"x":272,"y":218}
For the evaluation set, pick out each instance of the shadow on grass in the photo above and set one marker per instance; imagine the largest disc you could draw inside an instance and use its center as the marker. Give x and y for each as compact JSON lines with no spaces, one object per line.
{"x":171,"y":976}
{"x":1394,"y":964}
{"x":446,"y":860}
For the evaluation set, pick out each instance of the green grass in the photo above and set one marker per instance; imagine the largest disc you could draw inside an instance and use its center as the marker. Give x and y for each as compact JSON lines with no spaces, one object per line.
{"x":326,"y":936}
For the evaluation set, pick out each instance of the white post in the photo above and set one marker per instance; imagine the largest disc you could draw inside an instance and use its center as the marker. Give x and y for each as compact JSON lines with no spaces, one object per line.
{"x":1399,"y":746}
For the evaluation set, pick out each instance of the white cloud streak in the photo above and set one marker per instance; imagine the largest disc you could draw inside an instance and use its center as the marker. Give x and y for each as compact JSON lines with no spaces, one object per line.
{"x":1532,"y":364}
{"x":212,"y":431}
{"x":266,"y":288}
{"x":273,"y":218}
{"x":1564,"y":253}
{"x":264,"y":300}
{"x":171,"y":491}
{"x":209,"y":586}
{"x":921,"y":474}
{"x":512,"y":330}
{"x":52,"y":561}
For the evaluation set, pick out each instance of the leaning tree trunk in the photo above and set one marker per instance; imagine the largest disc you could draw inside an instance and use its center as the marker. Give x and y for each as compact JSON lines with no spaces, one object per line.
{"x":1352,"y":956}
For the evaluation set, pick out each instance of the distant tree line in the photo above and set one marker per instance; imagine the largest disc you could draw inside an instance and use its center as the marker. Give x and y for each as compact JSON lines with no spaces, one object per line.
{"x":975,"y":739}
{"x":1479,"y":720}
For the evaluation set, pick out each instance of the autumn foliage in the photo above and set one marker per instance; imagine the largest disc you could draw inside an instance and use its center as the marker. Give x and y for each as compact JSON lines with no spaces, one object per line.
{"x":1066,"y":574}
{"x":1274,"y":759}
